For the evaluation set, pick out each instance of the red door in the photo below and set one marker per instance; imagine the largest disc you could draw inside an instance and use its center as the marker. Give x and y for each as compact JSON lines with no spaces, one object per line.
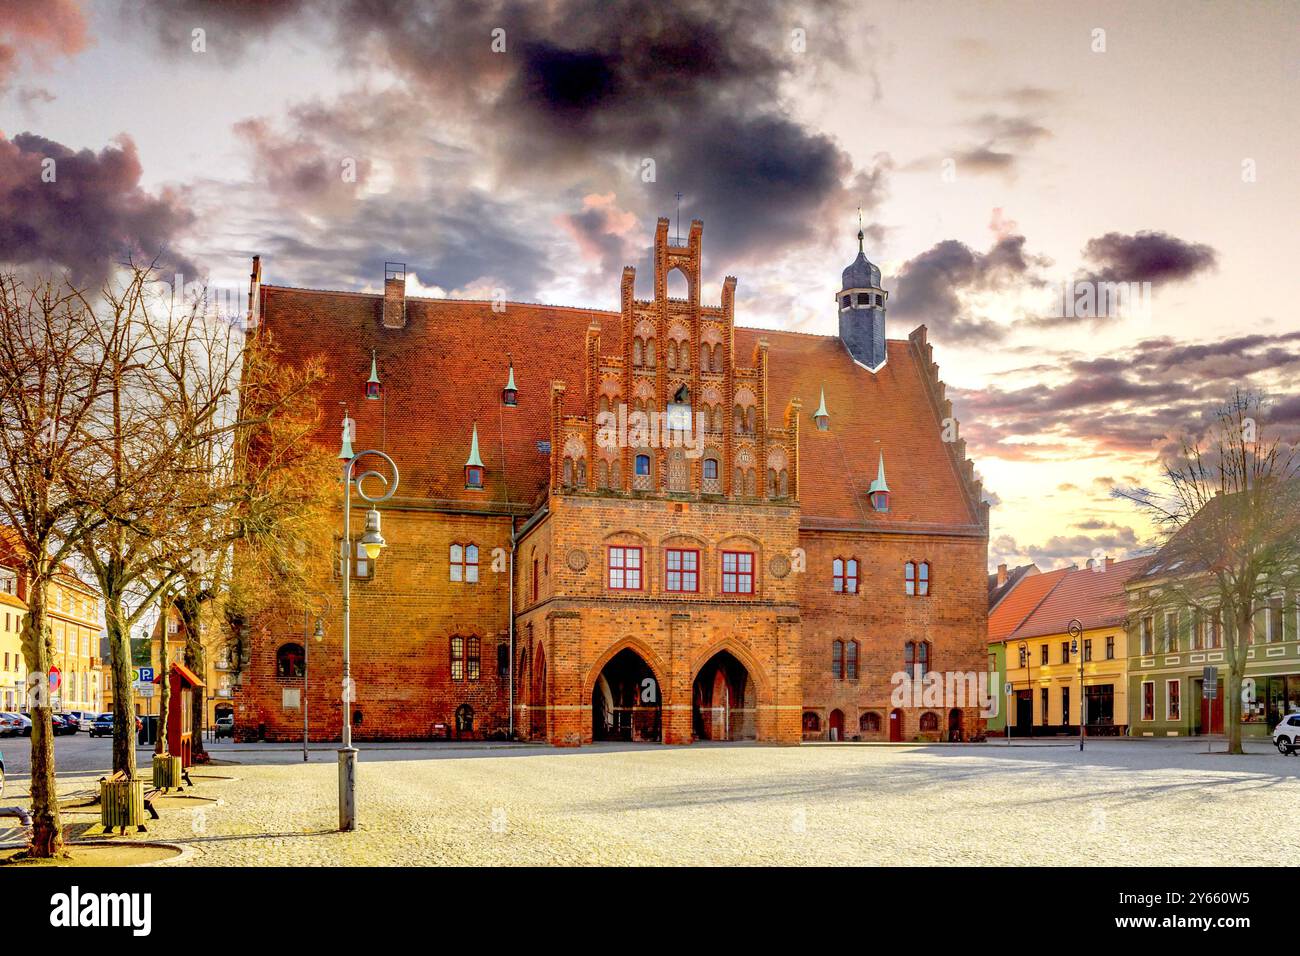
{"x":1212,"y":713}
{"x":895,"y":725}
{"x":837,"y":725}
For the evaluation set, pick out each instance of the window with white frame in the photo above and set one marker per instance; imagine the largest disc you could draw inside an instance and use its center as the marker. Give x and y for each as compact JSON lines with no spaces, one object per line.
{"x":1148,"y":700}
{"x":1173,"y":699}
{"x":1171,"y":632}
{"x":624,"y":568}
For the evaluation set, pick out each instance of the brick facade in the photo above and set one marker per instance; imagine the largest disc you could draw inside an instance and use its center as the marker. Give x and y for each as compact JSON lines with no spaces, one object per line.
{"x":588,"y":660}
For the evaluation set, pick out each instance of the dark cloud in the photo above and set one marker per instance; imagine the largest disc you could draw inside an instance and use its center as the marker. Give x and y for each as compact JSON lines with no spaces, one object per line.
{"x":1134,"y":403}
{"x":94,"y":214}
{"x":930,"y":287}
{"x":1146,"y":257}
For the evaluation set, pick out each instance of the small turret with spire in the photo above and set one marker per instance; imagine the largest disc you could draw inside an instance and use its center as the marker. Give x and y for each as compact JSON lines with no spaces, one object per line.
{"x":879,"y":490}
{"x":474,"y":463}
{"x":822,"y":417}
{"x":861,"y":303}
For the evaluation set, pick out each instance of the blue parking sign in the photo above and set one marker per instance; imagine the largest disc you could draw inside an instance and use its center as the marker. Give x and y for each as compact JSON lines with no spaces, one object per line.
{"x":146,"y":675}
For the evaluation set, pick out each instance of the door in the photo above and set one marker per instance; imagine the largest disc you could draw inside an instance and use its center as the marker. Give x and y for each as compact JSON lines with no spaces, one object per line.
{"x":954,"y":724}
{"x":1024,"y":713}
{"x":1212,"y":713}
{"x":895,"y":725}
{"x":837,"y":725}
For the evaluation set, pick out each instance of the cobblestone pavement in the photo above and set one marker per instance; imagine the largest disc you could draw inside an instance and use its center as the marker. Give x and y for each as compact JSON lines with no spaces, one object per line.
{"x":1124,"y":802}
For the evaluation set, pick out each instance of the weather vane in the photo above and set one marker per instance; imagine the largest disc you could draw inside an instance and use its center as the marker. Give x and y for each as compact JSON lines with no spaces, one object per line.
{"x":679,"y":218}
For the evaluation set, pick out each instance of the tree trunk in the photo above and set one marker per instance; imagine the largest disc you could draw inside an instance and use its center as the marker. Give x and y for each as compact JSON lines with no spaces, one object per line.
{"x":119,"y":648}
{"x":47,"y":829}
{"x":165,"y":685}
{"x":191,"y":612}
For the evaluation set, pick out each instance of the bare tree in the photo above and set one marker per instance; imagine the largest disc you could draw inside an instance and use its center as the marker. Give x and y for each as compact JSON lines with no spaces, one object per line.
{"x":1230,"y":515}
{"x":52,"y":379}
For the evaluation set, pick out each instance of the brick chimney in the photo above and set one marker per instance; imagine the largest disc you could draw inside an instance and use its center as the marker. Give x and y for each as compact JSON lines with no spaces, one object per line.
{"x":394,"y":295}
{"x":1109,"y":561}
{"x":1002,"y":574}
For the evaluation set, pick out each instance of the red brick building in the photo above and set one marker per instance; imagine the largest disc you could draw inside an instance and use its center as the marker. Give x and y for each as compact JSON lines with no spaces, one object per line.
{"x":648,"y":524}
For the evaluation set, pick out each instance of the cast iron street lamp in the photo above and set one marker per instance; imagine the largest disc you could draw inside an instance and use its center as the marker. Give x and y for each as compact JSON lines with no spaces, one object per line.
{"x":1076,"y":647}
{"x":373,"y":542}
{"x":320,"y":609}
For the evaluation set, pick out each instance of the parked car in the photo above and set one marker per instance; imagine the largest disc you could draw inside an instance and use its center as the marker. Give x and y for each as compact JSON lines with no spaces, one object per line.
{"x":11,"y":725}
{"x":63,"y":724}
{"x":83,"y":718}
{"x":102,"y":726}
{"x":1286,"y":735}
{"x":225,"y":726}
{"x":26,"y":728}
{"x":2,"y":775}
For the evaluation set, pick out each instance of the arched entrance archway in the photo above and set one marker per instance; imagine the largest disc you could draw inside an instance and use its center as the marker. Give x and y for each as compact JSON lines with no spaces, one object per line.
{"x":954,"y":724}
{"x":537,"y":699}
{"x":625,"y":701}
{"x":724,"y":700}
{"x":837,"y":724}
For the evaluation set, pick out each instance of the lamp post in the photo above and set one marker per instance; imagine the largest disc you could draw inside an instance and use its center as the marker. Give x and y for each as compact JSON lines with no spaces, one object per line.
{"x":322,"y":608}
{"x":1029,"y":682}
{"x":373,"y":541}
{"x":1076,"y":647}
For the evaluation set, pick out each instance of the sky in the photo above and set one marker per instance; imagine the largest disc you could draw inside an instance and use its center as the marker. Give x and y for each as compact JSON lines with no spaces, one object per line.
{"x":1005,"y":157}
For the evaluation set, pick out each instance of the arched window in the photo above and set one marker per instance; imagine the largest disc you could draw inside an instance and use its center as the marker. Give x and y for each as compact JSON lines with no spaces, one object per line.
{"x":844,"y":575}
{"x":636,"y":351}
{"x":751,"y":420}
{"x":771,"y":482}
{"x":916,"y":659}
{"x":837,"y":660}
{"x":458,"y":658}
{"x":289,"y":661}
{"x":473,"y":664}
{"x":463,"y":563}
{"x":643,"y":464}
{"x":717,"y":358}
{"x":704,"y":358}
{"x":672,"y":356}
{"x":602,"y":475}
{"x":464,"y":719}
{"x":650,"y":354}
{"x":751,"y":483}
{"x":568,"y":473}
{"x":684,"y":356}
{"x":916,"y":578}
{"x":616,"y":476}
{"x":783,"y":484}
{"x":811,"y":722}
{"x":738,"y":421}
{"x":582,"y":473}
{"x":909,"y":578}
{"x":717,"y":418}
{"x":869,"y":723}
{"x":929,"y":723}
{"x":710,"y":469}
{"x":923,"y":578}
{"x":851,"y":660}
{"x":604,"y":404}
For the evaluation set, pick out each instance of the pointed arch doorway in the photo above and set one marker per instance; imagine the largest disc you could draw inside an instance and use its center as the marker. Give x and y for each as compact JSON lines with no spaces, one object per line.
{"x":625,"y":701}
{"x":724,"y":700}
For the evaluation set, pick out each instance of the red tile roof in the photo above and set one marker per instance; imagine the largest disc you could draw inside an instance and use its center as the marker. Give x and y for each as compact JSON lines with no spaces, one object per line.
{"x":444,"y":372}
{"x":1014,"y":607}
{"x":1095,"y":596}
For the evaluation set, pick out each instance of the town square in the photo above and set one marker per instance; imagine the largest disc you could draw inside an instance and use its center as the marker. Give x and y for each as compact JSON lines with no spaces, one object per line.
{"x":744,"y":436}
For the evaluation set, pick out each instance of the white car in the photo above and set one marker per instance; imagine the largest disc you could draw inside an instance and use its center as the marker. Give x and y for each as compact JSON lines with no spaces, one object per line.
{"x":1286,"y":735}
{"x":84,"y":719}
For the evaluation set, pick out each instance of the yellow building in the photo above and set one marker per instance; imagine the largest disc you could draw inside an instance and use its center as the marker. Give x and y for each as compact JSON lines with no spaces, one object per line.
{"x":12,"y":671}
{"x":75,"y":627}
{"x":1043,"y":660}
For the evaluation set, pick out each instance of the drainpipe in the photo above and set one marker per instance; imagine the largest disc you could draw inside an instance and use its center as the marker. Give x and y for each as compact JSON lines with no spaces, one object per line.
{"x":514,"y":543}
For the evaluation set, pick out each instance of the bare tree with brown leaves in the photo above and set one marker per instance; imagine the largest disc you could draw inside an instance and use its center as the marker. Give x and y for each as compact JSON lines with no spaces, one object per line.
{"x":1230,"y":516}
{"x":52,"y":380}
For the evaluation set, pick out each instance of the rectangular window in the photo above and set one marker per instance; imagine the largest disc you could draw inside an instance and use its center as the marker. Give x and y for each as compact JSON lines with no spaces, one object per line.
{"x":737,"y":572}
{"x":844,"y":575}
{"x":1173,"y":699}
{"x":1273,"y":620}
{"x":473,"y":658}
{"x":1042,"y":694}
{"x":1171,"y":632}
{"x":1065,"y":652}
{"x":1087,"y":650}
{"x":851,"y":660}
{"x":1148,"y":700}
{"x":837,"y":660}
{"x":463,"y":563}
{"x":1065,"y":705}
{"x":534,"y":579}
{"x":683,"y":569}
{"x":1042,"y":654}
{"x":624,"y":568}
{"x":1146,"y":638}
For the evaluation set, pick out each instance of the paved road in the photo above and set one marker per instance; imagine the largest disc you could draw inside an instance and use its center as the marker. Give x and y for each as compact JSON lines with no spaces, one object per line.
{"x":1125,"y":802}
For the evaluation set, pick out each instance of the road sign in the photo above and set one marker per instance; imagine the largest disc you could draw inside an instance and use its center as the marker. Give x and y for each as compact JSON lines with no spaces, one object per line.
{"x":56,"y":677}
{"x":1210,"y":683}
{"x":146,"y":690}
{"x":146,"y":675}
